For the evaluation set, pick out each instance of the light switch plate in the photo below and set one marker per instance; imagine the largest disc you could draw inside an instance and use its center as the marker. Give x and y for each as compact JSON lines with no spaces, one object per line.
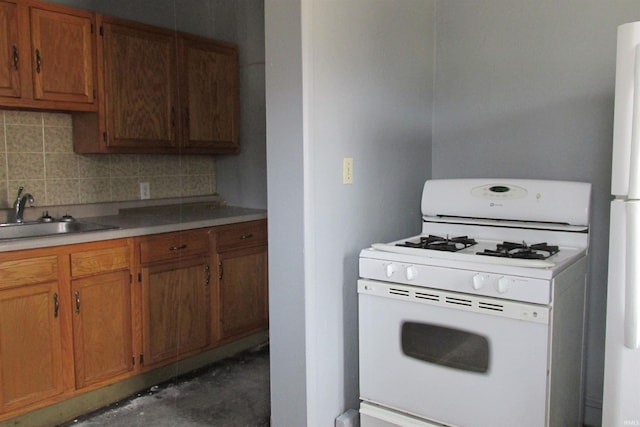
{"x":347,"y":170}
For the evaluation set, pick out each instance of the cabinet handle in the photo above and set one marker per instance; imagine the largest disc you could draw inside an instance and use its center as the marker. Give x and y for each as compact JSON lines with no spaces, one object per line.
{"x":173,"y":117}
{"x":77,"y":294}
{"x":187,"y":119}
{"x":178,"y":248}
{"x":38,"y":61}
{"x":16,"y":58}
{"x":207,"y":270}
{"x":246,"y":236}
{"x":220,"y":270}
{"x":56,"y":305}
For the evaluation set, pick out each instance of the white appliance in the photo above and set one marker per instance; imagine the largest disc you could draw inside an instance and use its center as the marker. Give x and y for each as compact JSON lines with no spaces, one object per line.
{"x":460,"y":327}
{"x":621,"y":401}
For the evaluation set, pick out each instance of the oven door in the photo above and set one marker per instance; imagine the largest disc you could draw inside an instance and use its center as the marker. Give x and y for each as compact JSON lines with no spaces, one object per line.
{"x":453,"y":358}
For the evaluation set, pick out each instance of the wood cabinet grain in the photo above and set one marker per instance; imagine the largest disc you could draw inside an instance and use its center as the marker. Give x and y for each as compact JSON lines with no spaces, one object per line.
{"x":140,"y":91}
{"x":162,"y":92}
{"x":48,"y":56}
{"x":175,"y":275}
{"x":10,"y":85}
{"x":242,"y":280}
{"x":101,"y":306}
{"x":31,"y":346}
{"x":210,"y":107}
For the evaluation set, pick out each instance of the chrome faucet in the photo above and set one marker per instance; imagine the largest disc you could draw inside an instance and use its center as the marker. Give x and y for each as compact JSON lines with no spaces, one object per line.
{"x":18,"y":205}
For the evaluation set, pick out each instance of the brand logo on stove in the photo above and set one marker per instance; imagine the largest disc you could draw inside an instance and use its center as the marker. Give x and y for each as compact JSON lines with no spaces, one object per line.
{"x":494,"y":204}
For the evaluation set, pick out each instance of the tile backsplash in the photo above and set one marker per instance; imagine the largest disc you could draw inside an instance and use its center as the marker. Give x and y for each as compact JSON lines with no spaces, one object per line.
{"x":36,"y":152}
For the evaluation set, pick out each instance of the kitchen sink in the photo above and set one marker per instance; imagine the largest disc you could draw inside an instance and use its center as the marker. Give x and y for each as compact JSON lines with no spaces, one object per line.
{"x":32,"y":229}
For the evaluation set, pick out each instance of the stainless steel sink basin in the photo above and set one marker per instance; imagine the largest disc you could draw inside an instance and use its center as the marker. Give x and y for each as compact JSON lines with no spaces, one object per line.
{"x":25,"y":230}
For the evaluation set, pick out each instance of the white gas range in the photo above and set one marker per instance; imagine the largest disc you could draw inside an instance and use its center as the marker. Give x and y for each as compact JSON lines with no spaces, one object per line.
{"x":478,"y":321}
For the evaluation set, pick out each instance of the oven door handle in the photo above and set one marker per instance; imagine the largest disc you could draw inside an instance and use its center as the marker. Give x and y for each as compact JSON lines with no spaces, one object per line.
{"x":632,"y":277}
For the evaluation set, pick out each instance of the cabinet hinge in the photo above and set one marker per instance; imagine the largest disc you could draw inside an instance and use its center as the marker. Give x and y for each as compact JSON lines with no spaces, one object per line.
{"x":140,"y":277}
{"x":92,"y":29}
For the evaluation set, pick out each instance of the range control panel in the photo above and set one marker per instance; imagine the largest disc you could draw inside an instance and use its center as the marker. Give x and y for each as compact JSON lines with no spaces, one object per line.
{"x":475,"y":282}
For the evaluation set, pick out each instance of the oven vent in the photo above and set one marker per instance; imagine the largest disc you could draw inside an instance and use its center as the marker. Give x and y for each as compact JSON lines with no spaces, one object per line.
{"x":459,"y":301}
{"x":490,"y":306}
{"x":424,"y":295}
{"x":399,"y":292}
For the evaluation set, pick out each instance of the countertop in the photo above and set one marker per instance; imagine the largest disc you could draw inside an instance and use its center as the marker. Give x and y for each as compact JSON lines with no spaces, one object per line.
{"x":144,"y":221}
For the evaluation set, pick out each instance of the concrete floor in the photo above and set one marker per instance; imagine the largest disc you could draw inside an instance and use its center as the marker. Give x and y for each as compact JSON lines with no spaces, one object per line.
{"x":233,"y":392}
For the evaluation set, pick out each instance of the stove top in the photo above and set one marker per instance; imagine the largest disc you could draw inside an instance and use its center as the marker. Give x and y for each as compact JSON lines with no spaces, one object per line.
{"x":502,"y":250}
{"x":522,"y":250}
{"x":449,"y":244}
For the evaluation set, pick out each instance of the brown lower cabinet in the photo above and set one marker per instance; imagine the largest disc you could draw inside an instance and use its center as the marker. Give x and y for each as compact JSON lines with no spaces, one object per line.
{"x":79,"y":317}
{"x":31,"y":362}
{"x":243,"y":293}
{"x":175,"y":309}
{"x":241,"y":255}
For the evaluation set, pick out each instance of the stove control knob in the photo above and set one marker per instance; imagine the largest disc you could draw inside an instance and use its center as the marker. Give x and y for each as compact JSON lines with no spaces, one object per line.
{"x":411,"y":272}
{"x":502,"y":285}
{"x":390,"y":269}
{"x":479,"y":281}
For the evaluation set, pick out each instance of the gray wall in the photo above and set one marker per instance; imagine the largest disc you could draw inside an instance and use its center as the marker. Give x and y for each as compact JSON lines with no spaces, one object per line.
{"x":343,"y":79}
{"x":525,"y":89}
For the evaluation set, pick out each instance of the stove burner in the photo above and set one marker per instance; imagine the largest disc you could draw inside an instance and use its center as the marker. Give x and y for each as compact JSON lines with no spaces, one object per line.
{"x":521,"y":250}
{"x":438,"y":243}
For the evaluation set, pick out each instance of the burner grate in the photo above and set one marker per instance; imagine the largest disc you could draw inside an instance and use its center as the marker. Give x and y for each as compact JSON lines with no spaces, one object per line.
{"x":449,"y":244}
{"x":522,"y":250}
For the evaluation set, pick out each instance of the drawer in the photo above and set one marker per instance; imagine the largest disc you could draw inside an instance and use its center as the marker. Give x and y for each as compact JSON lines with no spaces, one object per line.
{"x":28,"y":271}
{"x":100,"y":260}
{"x":241,"y":235}
{"x":170,"y":246}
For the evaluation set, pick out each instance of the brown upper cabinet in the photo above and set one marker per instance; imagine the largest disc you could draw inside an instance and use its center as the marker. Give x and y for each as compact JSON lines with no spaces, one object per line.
{"x":208,"y":73}
{"x":47,"y":56}
{"x":142,"y":69}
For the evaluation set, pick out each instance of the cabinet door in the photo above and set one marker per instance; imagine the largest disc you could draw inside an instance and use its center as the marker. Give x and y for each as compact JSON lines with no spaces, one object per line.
{"x":63,"y":52}
{"x":210,"y":98}
{"x":175,"y":309}
{"x":243,"y":291}
{"x":102,"y":328}
{"x":30,"y":345}
{"x":9,"y":51}
{"x":139,"y":72}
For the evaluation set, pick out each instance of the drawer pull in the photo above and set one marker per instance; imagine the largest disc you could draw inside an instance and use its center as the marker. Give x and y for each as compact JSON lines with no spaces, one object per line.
{"x":207,"y":270}
{"x":16,"y":57}
{"x":38,"y":61}
{"x":56,"y":305}
{"x":178,"y":248}
{"x":246,"y":236}
{"x":77,"y":294}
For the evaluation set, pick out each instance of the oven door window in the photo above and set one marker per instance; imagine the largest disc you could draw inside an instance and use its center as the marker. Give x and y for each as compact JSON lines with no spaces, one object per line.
{"x":445,"y":346}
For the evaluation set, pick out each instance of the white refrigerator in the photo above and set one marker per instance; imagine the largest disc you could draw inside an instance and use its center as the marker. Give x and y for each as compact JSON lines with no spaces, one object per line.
{"x":621,"y":401}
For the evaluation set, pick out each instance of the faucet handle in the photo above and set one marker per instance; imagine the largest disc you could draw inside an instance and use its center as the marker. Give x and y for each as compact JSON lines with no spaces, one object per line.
{"x":19,"y":192}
